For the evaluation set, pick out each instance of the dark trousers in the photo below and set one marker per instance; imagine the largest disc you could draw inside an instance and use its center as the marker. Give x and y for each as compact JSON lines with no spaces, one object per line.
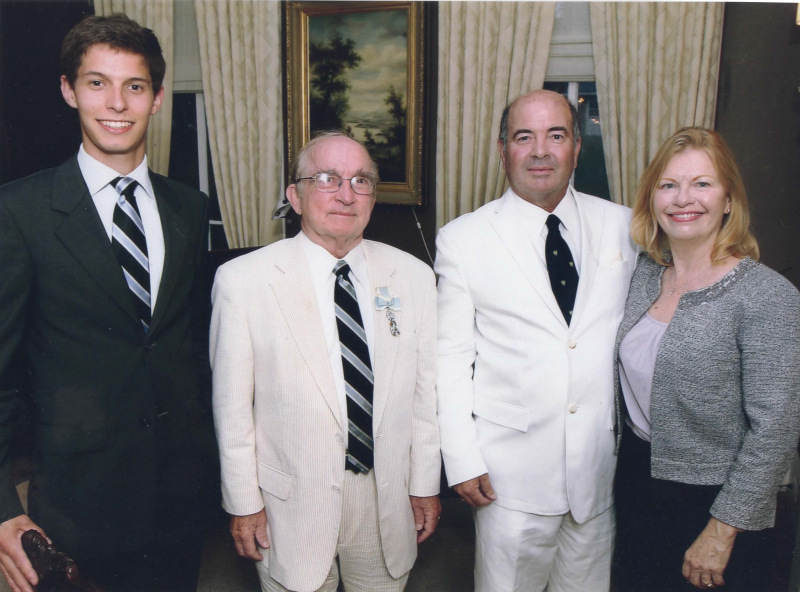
{"x":657,"y":522}
{"x":169,"y":563}
{"x":148,"y":570}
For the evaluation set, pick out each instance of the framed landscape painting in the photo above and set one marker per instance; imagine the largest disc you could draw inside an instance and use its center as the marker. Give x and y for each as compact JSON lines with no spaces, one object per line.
{"x":357,"y":66}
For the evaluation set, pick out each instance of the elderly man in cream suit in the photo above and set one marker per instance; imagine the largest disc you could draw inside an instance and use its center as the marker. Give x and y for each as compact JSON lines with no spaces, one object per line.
{"x":532,"y":288}
{"x":323,"y":352}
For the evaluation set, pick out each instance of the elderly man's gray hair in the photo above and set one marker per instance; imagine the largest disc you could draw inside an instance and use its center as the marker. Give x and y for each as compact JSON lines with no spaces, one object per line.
{"x":297,"y":165}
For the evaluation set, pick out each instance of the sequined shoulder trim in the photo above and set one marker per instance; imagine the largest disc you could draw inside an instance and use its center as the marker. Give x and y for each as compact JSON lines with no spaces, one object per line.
{"x":723,"y":285}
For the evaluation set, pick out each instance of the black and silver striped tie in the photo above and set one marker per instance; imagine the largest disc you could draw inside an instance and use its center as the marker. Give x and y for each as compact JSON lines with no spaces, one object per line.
{"x":130,"y":247}
{"x":358,"y":378}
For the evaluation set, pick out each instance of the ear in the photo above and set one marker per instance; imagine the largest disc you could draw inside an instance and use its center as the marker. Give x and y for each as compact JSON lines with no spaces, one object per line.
{"x":68,"y":92}
{"x":577,"y":152}
{"x":728,"y":205}
{"x":294,"y":199}
{"x":157,"y":100}
{"x":502,"y":150}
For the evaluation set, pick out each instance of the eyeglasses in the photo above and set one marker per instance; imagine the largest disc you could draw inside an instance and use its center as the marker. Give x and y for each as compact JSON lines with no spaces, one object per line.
{"x":328,"y":183}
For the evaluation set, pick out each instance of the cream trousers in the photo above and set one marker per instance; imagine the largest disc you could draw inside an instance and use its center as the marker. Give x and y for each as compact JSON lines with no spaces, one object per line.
{"x":359,"y":554}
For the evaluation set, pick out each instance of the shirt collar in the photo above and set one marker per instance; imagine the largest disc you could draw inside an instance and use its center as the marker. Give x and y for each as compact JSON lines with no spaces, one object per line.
{"x":97,"y":175}
{"x":322,"y":262}
{"x":535,"y":217}
{"x":567,"y":211}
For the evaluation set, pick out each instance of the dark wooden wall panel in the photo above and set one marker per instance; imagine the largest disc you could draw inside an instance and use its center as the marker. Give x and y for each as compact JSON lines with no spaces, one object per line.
{"x":758,"y":114}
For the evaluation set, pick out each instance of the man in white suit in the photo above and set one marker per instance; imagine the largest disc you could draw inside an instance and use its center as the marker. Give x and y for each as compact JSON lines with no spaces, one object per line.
{"x":532,"y":288}
{"x":323,"y":352}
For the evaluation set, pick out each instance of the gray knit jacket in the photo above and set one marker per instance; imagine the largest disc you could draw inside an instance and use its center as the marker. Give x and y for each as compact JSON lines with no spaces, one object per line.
{"x":726,"y":388}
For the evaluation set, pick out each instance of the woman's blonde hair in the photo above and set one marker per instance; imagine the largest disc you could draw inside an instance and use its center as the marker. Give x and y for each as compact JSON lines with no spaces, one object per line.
{"x":734,"y":237}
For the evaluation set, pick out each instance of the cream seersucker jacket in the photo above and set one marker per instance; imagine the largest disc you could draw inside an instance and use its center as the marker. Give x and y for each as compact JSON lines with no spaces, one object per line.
{"x":277,"y":414}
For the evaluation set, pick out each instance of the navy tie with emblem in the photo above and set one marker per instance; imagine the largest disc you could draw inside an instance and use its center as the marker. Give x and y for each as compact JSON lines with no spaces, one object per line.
{"x":561,"y":267}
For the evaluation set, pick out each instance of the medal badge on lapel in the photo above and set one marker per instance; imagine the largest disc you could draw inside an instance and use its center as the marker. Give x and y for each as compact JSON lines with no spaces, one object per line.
{"x":391,"y":304}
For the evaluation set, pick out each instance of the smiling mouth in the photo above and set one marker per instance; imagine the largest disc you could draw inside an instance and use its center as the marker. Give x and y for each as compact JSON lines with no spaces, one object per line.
{"x":115,"y":125}
{"x":686,"y":216}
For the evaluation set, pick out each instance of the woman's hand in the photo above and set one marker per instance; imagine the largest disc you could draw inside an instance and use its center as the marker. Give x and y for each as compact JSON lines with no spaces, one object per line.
{"x":708,"y":556}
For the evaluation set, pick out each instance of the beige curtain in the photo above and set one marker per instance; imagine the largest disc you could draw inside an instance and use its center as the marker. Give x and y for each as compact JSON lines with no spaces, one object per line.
{"x":240,"y":56}
{"x":489,"y":53}
{"x":656,"y":65}
{"x":155,"y":15}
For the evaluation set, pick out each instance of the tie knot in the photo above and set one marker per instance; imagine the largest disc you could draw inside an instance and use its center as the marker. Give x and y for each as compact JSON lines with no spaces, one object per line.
{"x":553,"y":222}
{"x":342,"y":268}
{"x":125,"y":185}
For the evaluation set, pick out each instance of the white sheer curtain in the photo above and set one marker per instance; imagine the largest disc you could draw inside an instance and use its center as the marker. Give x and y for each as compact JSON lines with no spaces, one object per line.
{"x":158,"y":16}
{"x":489,"y":53}
{"x":240,"y":56}
{"x":657,"y":67}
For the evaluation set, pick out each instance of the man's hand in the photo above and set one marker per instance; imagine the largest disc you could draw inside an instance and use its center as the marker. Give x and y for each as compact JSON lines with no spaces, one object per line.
{"x":14,"y":563}
{"x":708,"y":556}
{"x":249,"y":530}
{"x":477,"y":492}
{"x":426,"y":515}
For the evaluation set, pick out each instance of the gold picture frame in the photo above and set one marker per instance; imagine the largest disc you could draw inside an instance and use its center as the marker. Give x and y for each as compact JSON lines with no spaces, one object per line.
{"x":344,"y":66}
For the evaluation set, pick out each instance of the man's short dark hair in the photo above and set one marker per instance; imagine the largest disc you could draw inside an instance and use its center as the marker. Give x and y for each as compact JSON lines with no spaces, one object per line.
{"x":120,"y":33}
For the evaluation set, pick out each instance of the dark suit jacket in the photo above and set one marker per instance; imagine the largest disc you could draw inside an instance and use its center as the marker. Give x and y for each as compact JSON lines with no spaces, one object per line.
{"x":119,"y":417}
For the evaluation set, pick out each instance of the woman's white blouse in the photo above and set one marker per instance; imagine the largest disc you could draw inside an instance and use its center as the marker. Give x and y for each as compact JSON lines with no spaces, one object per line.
{"x":637,"y":361}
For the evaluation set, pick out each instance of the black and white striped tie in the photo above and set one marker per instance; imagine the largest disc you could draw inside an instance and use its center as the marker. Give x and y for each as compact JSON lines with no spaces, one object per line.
{"x":130,"y":247}
{"x":358,"y":378}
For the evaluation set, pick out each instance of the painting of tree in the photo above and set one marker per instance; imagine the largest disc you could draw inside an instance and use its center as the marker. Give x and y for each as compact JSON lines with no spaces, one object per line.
{"x":358,"y":72}
{"x":329,"y":85}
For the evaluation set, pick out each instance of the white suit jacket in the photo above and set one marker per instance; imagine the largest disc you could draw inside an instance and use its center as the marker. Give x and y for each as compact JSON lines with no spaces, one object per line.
{"x":538,"y":409}
{"x":277,"y":414}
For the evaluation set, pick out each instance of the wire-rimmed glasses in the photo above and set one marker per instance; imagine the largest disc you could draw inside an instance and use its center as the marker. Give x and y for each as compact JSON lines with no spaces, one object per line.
{"x":328,"y":183}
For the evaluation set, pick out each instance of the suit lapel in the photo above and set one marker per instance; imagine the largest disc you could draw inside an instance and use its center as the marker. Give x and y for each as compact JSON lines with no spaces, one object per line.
{"x":294,"y":291}
{"x":176,"y":234}
{"x":519,"y":246}
{"x":381,"y":270}
{"x":591,"y":216}
{"x":83,"y":235}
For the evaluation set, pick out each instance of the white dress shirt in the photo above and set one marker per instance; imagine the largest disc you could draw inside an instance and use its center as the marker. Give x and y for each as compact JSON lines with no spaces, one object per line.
{"x":534,"y":219}
{"x":321,"y":263}
{"x":98,"y":178}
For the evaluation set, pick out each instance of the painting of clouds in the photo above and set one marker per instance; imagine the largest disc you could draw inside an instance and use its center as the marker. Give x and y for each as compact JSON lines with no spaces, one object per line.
{"x":358,"y":82}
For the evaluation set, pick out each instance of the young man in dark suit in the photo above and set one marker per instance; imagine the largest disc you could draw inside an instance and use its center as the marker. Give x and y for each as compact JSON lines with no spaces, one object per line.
{"x":99,"y":296}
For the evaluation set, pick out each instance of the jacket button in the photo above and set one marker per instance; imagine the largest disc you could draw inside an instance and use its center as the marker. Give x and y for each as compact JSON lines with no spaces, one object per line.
{"x":571,"y":344}
{"x":573,"y":408}
{"x":339,"y":438}
{"x":336,"y":489}
{"x":144,"y":422}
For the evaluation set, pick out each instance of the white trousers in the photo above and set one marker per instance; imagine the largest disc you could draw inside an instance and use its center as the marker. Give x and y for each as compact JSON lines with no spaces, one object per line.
{"x":520,"y":552}
{"x":359,"y":553}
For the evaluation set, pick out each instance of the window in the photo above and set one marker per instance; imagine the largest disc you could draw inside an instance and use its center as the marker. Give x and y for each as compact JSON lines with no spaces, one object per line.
{"x":570,"y":71}
{"x":590,"y":176}
{"x":191,"y":165}
{"x":188,"y":162}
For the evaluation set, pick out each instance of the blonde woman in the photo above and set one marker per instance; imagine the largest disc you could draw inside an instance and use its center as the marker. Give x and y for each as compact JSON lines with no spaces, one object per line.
{"x":707,"y":380}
